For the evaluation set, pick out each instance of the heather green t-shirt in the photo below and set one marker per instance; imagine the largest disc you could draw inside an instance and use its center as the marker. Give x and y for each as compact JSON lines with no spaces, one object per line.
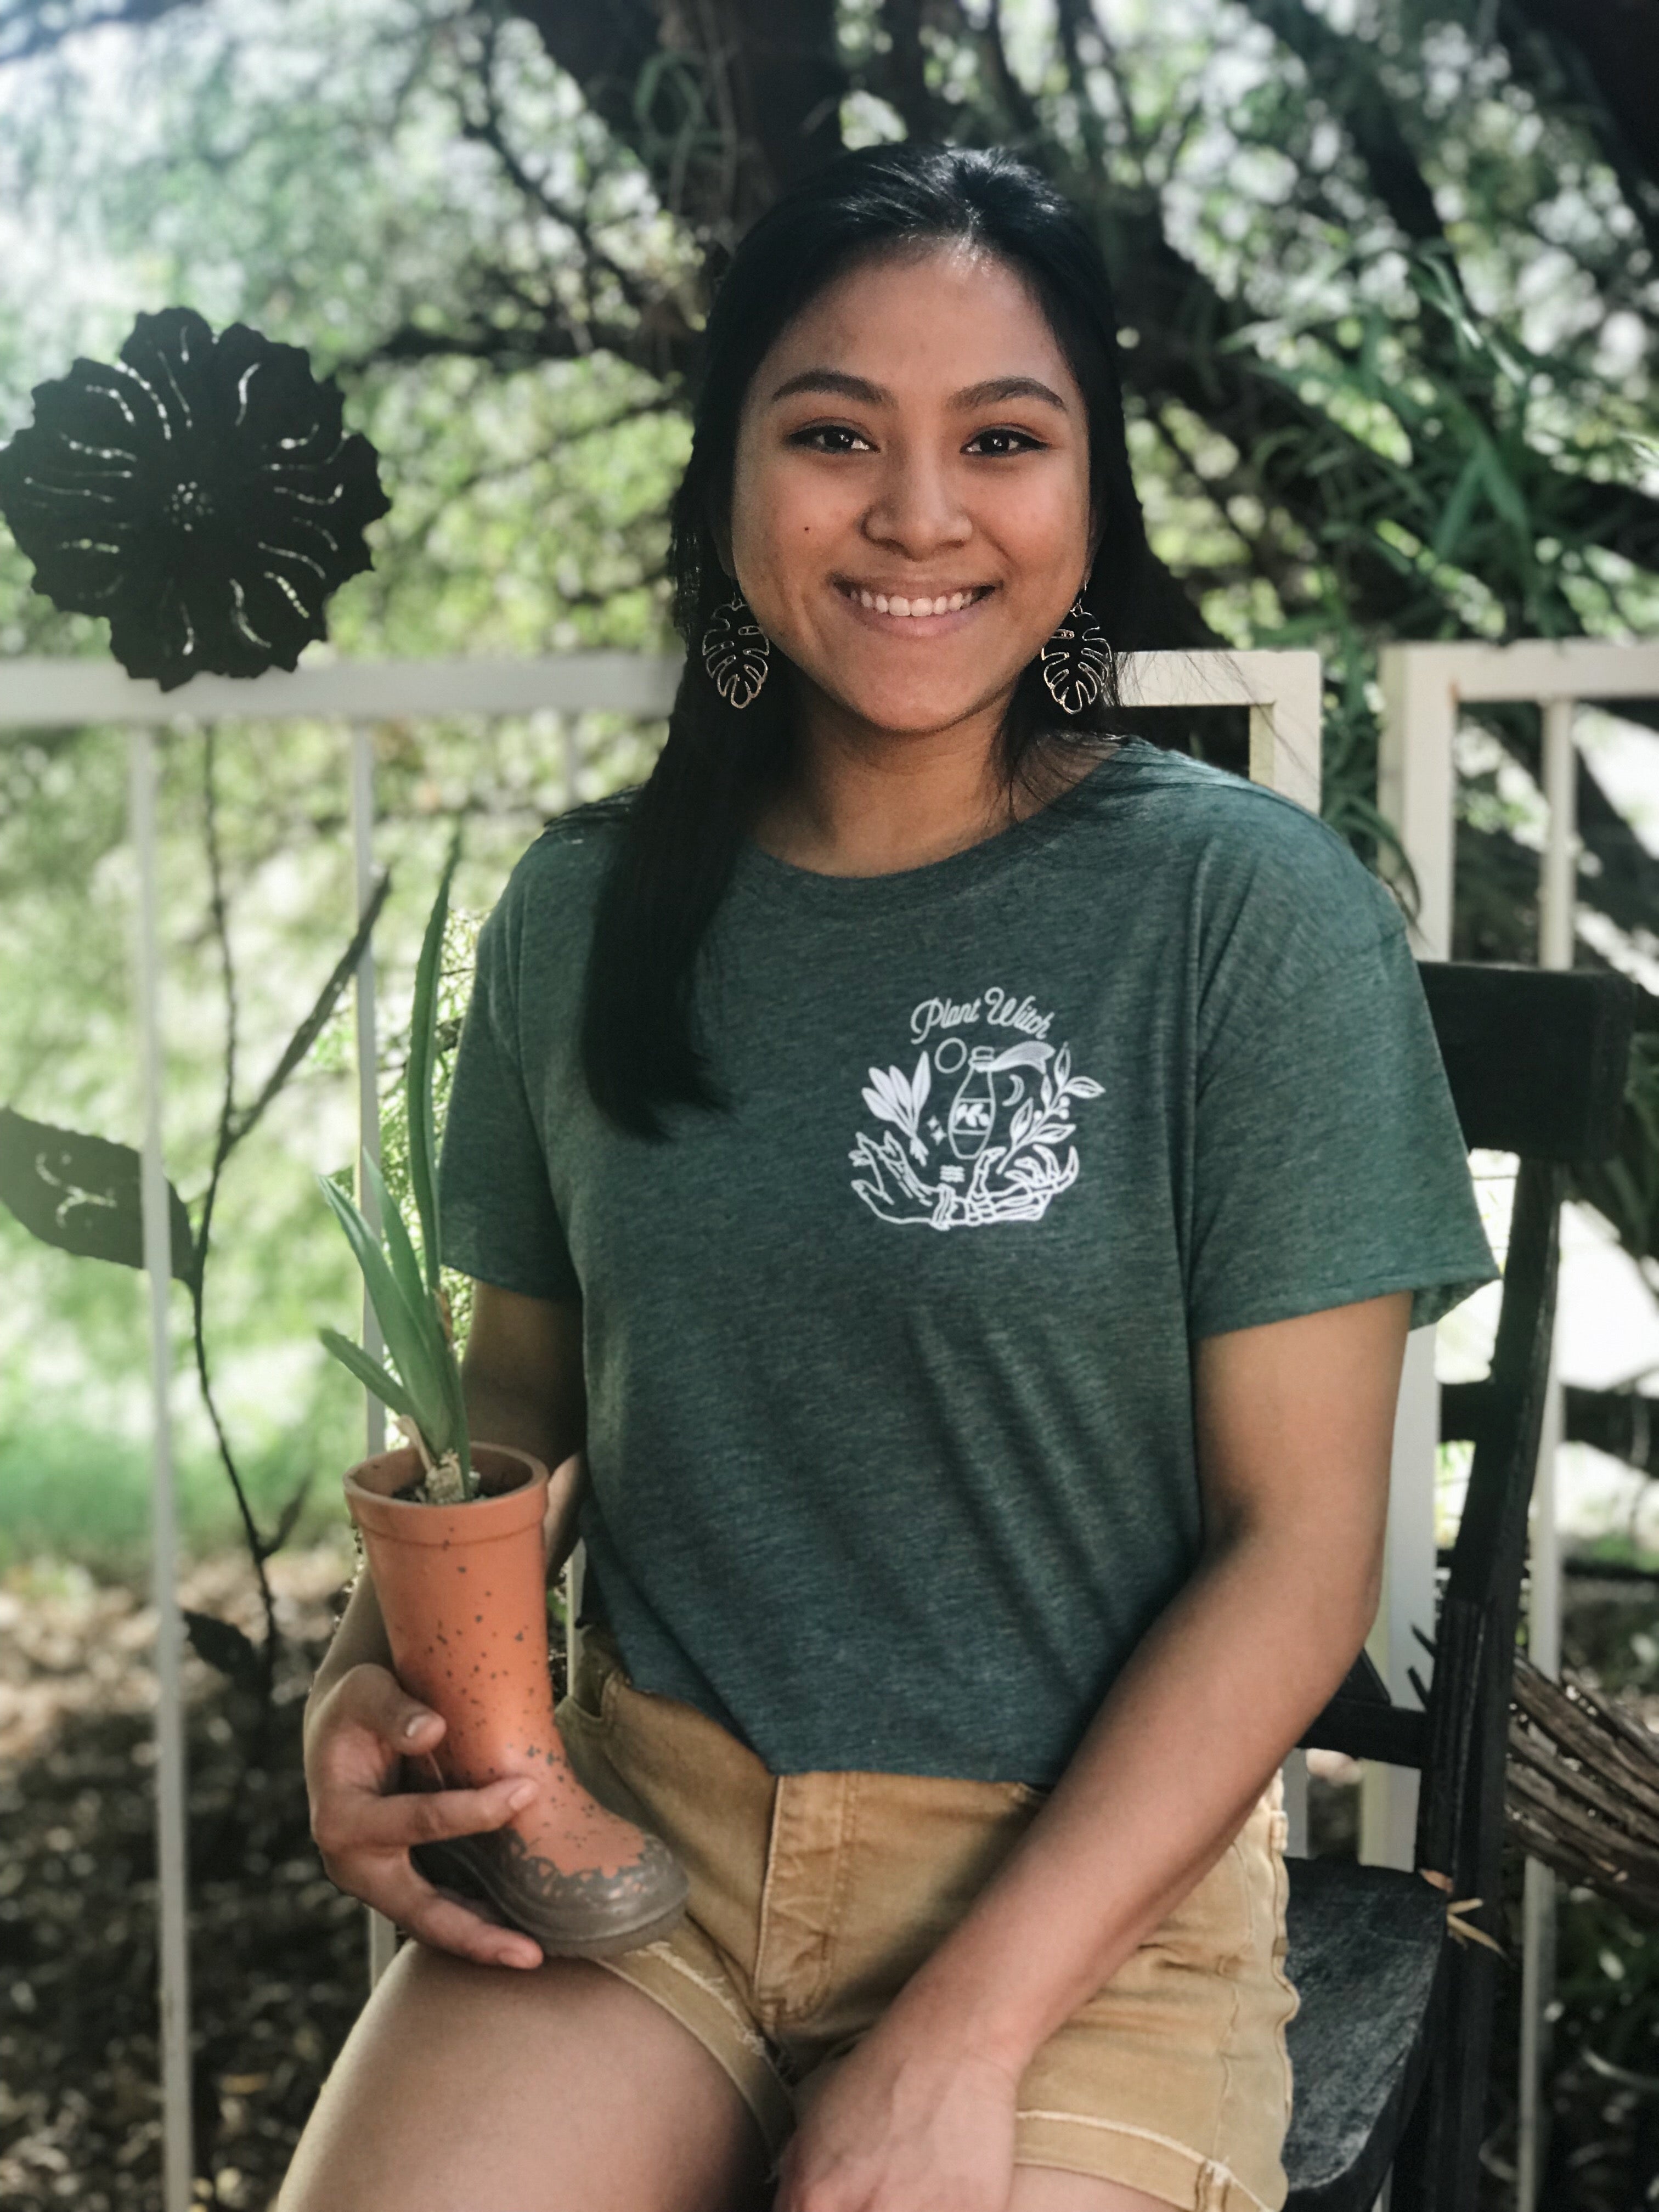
{"x":889,"y":1367}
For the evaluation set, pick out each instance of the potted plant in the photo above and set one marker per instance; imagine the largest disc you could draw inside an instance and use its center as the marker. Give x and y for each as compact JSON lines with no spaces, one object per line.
{"x":453,"y":1532}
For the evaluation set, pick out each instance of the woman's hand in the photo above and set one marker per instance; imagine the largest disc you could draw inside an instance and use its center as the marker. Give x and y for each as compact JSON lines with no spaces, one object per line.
{"x":363,"y":1823}
{"x":903,"y":2125}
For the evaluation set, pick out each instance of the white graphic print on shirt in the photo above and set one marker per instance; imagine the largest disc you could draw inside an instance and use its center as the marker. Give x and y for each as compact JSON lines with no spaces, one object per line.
{"x":988,"y":1150}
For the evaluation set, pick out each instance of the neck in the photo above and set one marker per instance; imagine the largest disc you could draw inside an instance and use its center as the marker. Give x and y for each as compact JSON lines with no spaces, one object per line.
{"x":864,"y":801}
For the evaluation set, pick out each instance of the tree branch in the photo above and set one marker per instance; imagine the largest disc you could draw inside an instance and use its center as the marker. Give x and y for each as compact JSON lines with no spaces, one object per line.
{"x":728,"y":102}
{"x":1616,"y":45}
{"x":902,"y":77}
{"x":28,"y":29}
{"x":1342,"y":71}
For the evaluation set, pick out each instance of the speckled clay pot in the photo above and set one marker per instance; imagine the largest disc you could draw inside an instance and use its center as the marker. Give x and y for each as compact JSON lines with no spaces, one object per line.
{"x":463,"y":1590}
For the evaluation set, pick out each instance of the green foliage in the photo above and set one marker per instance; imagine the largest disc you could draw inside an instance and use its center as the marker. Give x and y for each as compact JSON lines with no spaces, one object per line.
{"x":424,"y":1385}
{"x":1607,"y":1983}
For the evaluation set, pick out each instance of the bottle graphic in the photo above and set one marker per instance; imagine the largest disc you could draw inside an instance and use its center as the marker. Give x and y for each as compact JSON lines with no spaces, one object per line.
{"x":974,"y":1109}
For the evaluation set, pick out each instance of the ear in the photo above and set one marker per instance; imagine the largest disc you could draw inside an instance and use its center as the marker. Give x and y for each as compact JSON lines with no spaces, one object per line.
{"x":1096,"y":533}
{"x":720,"y":529}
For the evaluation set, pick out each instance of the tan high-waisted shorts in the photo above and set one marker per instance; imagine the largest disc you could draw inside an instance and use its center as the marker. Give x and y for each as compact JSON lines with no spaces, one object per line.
{"x":815,"y":1897}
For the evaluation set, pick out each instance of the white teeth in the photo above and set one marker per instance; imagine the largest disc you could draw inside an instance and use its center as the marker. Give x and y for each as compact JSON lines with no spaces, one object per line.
{"x":947,"y":603}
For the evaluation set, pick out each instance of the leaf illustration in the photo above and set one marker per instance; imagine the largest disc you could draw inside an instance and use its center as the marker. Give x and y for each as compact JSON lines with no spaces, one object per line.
{"x":1019,"y":1128}
{"x":921,"y":1083}
{"x":1085,"y":1086}
{"x":1063,"y":1066}
{"x":881,"y":1103}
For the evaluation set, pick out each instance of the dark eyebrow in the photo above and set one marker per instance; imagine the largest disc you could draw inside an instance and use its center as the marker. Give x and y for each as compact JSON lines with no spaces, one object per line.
{"x":838,"y":381}
{"x":1007,"y":388}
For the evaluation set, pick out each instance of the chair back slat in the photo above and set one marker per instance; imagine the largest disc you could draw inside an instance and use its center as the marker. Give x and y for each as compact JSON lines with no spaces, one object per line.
{"x":1535,"y":1057}
{"x":1460,"y":1814}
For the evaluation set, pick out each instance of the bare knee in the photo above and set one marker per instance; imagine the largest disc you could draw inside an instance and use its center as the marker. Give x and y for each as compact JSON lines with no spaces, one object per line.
{"x":562,"y":2090}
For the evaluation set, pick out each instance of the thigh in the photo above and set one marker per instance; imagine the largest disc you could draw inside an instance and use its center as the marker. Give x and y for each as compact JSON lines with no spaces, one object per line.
{"x":562,"y":2090}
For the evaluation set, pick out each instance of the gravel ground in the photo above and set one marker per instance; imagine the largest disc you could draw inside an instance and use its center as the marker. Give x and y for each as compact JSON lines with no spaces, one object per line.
{"x":277,"y":1954}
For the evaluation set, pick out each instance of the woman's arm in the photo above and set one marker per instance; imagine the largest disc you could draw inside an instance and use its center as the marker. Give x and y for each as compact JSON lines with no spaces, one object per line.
{"x":1295,"y":1422}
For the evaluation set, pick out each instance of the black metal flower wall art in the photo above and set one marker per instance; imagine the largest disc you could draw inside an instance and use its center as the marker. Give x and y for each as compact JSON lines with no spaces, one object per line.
{"x":202,"y":493}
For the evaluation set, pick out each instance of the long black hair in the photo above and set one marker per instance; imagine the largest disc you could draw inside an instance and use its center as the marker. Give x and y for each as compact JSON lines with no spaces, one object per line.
{"x":680,"y":834}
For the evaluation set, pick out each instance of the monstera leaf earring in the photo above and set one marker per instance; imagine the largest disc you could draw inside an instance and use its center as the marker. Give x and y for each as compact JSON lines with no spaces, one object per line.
{"x":736,"y":653}
{"x":1074,"y":662}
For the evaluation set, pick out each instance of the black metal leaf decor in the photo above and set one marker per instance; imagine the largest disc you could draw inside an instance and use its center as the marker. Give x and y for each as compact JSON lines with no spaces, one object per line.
{"x":201,"y":492}
{"x":81,"y":1193}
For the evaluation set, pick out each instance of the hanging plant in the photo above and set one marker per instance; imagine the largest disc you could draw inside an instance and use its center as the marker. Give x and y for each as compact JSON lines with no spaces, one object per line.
{"x":201,"y":493}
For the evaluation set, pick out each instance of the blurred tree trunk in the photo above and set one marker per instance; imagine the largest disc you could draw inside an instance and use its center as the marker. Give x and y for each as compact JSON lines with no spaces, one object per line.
{"x":728,"y":102}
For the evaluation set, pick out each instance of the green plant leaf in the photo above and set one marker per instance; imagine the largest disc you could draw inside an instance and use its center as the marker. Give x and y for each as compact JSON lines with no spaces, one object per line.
{"x":405,"y":1343}
{"x":400,"y":1252}
{"x":423,"y":1304}
{"x":369,"y":1372}
{"x":422,"y":1037}
{"x":1455,"y":516}
{"x":422,"y":1307}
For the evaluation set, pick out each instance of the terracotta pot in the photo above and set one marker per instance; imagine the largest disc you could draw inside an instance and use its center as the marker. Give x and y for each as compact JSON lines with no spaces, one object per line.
{"x":463,"y":1590}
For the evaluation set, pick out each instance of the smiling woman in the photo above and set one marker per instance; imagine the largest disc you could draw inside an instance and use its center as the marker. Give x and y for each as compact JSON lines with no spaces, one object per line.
{"x":964,"y":1177}
{"x":908,"y":539}
{"x":909,"y":393}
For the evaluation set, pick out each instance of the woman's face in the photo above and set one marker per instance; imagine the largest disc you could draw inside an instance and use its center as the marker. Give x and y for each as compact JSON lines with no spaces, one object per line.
{"x":914,"y":439}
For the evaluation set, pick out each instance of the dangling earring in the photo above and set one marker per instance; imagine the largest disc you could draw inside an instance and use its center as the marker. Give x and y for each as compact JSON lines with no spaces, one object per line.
{"x":1074,"y":661}
{"x":736,"y":654}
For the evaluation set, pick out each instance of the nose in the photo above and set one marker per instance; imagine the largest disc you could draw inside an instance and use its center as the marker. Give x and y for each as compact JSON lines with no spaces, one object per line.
{"x":917,"y":510}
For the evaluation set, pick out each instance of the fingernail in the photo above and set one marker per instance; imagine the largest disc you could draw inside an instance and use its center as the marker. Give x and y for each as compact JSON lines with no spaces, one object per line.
{"x":523,"y":1795}
{"x":416,"y":1722}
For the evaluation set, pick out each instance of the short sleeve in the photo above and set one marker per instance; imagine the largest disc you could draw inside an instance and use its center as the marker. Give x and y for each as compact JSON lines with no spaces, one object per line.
{"x":1329,"y":1166}
{"x":499,"y":1223}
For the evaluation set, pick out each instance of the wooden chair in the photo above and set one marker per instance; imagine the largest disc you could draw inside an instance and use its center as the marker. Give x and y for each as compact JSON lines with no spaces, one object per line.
{"x":1391,"y":2047}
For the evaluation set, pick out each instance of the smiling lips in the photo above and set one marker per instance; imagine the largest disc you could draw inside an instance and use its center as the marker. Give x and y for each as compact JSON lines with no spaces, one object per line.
{"x":944,"y":603}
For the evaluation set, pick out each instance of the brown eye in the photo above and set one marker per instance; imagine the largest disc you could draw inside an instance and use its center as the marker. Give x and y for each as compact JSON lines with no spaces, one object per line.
{"x":995,"y":445}
{"x":830,"y":438}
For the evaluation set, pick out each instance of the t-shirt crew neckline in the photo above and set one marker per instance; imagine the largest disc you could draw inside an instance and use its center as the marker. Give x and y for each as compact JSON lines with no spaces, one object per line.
{"x":764,"y":874}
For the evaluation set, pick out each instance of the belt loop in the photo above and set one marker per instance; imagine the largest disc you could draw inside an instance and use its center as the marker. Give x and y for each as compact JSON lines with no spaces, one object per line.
{"x":1213,"y":2181}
